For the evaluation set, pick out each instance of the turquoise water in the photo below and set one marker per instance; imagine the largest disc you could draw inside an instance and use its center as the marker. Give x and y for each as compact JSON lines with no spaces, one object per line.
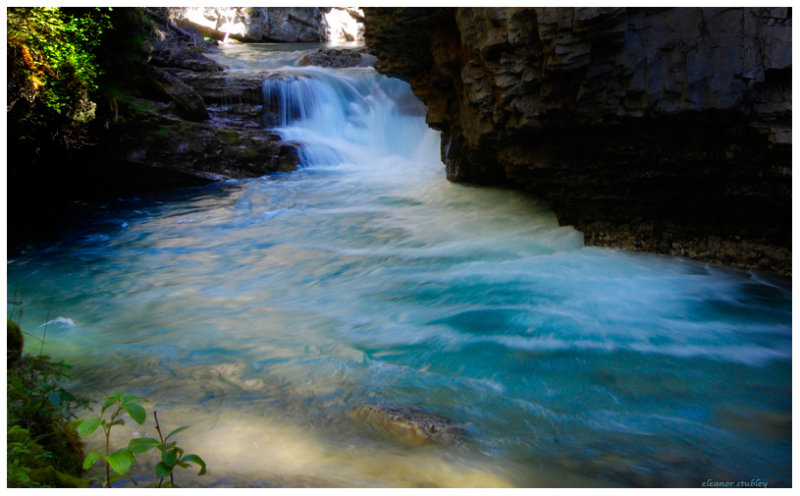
{"x":263,"y":312}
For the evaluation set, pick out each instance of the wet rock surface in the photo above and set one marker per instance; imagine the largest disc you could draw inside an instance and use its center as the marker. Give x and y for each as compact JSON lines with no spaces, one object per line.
{"x":409,"y":425}
{"x":231,"y":144}
{"x":332,"y":57}
{"x":199,"y":122}
{"x":654,"y":129}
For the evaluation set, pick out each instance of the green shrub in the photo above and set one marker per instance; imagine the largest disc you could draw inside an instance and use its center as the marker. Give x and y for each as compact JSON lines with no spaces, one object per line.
{"x":118,"y":463}
{"x":54,"y":49}
{"x":42,"y":449}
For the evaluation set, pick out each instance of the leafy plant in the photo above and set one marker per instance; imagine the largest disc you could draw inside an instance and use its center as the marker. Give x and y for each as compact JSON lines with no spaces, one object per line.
{"x":56,"y":46}
{"x":118,"y":463}
{"x":42,"y":450}
{"x":35,"y":395}
{"x":121,"y":460}
{"x":22,"y":452}
{"x":171,"y":455}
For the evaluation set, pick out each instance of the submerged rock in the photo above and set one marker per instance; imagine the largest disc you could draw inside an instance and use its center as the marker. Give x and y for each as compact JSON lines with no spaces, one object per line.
{"x":409,"y":424}
{"x":335,"y":58}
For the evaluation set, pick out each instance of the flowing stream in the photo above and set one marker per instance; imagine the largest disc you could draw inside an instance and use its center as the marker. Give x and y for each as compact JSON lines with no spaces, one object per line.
{"x":265,"y":313}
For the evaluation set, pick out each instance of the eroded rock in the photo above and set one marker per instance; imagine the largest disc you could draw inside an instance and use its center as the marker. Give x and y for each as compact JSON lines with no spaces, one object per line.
{"x":409,"y":425}
{"x":254,"y":24}
{"x":332,"y":57}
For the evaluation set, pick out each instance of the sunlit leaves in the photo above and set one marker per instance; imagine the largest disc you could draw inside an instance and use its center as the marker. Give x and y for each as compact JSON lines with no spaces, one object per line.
{"x":179,"y":429}
{"x":88,"y":426}
{"x":90,"y":460}
{"x":136,"y":412}
{"x":121,"y":461}
{"x":114,"y":398}
{"x":57,"y":45}
{"x":142,"y":444}
{"x":197,"y":460}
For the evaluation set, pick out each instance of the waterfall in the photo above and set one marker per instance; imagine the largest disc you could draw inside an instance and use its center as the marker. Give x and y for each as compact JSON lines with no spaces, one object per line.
{"x":266,"y":313}
{"x":351,"y":115}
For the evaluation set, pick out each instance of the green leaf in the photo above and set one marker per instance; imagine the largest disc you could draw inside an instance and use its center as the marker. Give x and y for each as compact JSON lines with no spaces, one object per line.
{"x":90,"y":460}
{"x":179,"y":429}
{"x":136,"y":412}
{"x":169,"y":457}
{"x":162,"y":470}
{"x":142,"y":444}
{"x":110,"y":401}
{"x":196,"y":459}
{"x":121,"y":461}
{"x":88,"y":426}
{"x":130,"y":399}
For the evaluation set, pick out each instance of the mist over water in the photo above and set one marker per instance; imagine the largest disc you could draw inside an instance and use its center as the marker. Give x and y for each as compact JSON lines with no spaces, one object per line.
{"x":264,"y":312}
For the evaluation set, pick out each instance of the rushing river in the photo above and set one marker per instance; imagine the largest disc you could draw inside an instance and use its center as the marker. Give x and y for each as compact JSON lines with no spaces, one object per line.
{"x":264,"y":312}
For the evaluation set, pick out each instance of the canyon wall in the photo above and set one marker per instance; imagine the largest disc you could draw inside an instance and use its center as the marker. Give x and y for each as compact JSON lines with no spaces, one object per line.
{"x":656,"y":129}
{"x":273,"y":24}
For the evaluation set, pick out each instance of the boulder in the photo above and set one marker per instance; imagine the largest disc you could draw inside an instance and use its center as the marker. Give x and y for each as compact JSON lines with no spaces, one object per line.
{"x":334,"y":58}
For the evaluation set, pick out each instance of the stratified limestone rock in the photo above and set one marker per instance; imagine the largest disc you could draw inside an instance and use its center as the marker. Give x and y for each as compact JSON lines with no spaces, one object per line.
{"x":345,"y":24}
{"x":254,"y":24}
{"x":665,"y":130}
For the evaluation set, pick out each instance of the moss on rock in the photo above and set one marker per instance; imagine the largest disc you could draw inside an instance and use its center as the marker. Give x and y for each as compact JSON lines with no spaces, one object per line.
{"x":14,"y":343}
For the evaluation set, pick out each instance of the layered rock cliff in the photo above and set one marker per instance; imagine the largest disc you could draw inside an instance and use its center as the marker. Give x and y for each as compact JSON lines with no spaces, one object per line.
{"x":655,"y":129}
{"x":273,"y":24}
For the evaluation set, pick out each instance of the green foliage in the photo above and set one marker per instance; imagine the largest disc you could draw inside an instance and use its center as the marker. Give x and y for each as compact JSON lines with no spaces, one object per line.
{"x":35,"y":395}
{"x":30,"y":465}
{"x":55,"y":47}
{"x":14,"y":343}
{"x":43,"y":450}
{"x":21,"y":456}
{"x":118,"y":463}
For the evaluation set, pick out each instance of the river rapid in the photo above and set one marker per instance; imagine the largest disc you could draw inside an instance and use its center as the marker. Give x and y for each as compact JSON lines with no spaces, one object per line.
{"x":263,"y":313}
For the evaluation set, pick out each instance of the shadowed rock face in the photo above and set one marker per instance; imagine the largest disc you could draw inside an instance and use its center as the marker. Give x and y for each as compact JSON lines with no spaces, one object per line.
{"x":665,"y":130}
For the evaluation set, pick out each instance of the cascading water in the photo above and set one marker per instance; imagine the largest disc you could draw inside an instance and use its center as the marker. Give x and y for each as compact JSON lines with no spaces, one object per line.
{"x":266,"y":313}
